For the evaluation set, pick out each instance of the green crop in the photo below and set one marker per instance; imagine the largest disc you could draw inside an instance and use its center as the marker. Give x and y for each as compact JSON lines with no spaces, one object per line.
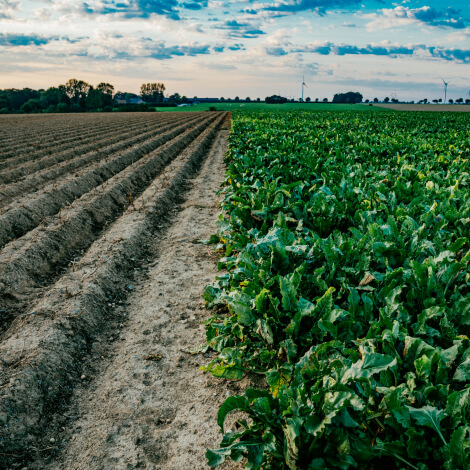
{"x":347,"y":285}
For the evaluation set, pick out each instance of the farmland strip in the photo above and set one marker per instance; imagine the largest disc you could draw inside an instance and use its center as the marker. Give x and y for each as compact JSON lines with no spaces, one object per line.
{"x":76,"y":127}
{"x":38,"y":378}
{"x":39,"y":179}
{"x":32,"y":259}
{"x":347,"y":287}
{"x":31,"y":163}
{"x":19,"y":220}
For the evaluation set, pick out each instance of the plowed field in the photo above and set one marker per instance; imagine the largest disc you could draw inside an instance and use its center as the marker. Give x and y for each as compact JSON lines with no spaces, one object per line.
{"x":98,"y":270}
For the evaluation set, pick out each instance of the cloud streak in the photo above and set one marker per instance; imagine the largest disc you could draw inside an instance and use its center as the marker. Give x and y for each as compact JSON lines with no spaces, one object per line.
{"x":380,"y":49}
{"x":8,"y":8}
{"x":425,"y":16}
{"x":319,"y":7}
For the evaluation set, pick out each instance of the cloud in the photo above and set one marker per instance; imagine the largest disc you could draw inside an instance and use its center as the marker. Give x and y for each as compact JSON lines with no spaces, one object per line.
{"x":8,"y":9}
{"x":327,"y":48}
{"x":425,"y":16}
{"x":15,"y":40}
{"x":293,"y":6}
{"x":276,"y":51}
{"x":385,"y":49}
{"x":220,"y":66}
{"x":240,"y":29}
{"x":458,"y":55}
{"x":140,"y":8}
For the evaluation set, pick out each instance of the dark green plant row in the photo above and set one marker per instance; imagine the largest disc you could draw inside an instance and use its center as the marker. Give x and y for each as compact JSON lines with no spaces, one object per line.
{"x":347,"y":285}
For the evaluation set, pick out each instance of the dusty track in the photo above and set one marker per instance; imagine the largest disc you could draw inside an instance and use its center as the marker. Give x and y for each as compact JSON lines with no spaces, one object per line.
{"x":69,"y":327}
{"x":134,"y":413}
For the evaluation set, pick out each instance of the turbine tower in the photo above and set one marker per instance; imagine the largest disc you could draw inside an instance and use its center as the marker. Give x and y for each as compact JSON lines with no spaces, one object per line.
{"x":445,"y":90}
{"x":303,"y":85}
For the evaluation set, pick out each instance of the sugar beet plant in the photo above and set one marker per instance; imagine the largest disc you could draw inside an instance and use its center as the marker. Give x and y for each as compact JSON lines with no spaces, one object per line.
{"x":347,"y":286}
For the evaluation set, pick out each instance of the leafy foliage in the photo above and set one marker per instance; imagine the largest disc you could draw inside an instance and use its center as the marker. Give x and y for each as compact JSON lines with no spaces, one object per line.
{"x":347,"y":283}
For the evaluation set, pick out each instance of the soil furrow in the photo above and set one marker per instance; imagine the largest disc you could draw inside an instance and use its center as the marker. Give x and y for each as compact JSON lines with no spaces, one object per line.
{"x":36,"y":143}
{"x":133,"y":413}
{"x":33,"y":260}
{"x":22,"y":155}
{"x":37,"y":180}
{"x":32,"y":163}
{"x":71,"y":130}
{"x":27,"y":214}
{"x":43,"y":351}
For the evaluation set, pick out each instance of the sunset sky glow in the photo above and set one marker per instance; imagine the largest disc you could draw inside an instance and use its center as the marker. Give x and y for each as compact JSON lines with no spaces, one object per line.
{"x":240,"y":48}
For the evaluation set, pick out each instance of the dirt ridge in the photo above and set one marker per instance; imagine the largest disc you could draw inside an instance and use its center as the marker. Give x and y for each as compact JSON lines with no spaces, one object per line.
{"x":42,"y":353}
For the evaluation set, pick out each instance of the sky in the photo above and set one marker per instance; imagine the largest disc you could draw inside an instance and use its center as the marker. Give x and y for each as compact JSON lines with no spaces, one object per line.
{"x":241,"y":48}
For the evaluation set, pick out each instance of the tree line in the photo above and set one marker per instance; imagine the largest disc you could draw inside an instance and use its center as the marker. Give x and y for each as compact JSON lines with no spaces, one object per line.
{"x":79,"y":96}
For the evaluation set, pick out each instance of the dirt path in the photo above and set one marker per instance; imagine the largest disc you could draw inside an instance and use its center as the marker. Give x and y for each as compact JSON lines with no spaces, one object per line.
{"x":130,"y":412}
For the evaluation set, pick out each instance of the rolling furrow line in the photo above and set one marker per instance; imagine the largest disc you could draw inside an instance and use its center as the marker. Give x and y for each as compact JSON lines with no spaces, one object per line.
{"x":23,"y":153}
{"x":42,"y":352}
{"x":25,"y":165}
{"x":36,"y":257}
{"x":20,"y":219}
{"x":37,"y":180}
{"x":75,"y":128}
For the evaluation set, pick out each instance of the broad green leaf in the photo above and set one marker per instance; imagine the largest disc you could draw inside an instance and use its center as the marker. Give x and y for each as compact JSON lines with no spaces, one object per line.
{"x":231,"y":404}
{"x":430,"y":417}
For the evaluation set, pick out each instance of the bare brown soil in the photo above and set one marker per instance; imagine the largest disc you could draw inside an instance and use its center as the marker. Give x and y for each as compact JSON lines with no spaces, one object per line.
{"x":92,"y":293}
{"x":425,"y":107}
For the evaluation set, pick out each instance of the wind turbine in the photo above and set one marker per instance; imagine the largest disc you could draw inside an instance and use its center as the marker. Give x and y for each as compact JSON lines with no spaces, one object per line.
{"x":445,"y":90}
{"x":303,"y":84}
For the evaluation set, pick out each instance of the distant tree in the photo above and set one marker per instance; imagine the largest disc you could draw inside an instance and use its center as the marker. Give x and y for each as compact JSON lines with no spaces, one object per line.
{"x":175,"y":98}
{"x":13,"y":99}
{"x":276,"y":99}
{"x":366,"y":101}
{"x":308,"y":99}
{"x":451,"y":101}
{"x":222,"y":99}
{"x":31,"y":106}
{"x":317,"y":100}
{"x":386,"y":99}
{"x":394,"y":100}
{"x":376,"y":100}
{"x":349,"y":97}
{"x":152,"y":92}
{"x":51,"y":97}
{"x":459,"y":100}
{"x":258,"y":99}
{"x":248,"y":99}
{"x":325,"y":100}
{"x":435,"y":101}
{"x":425,"y":100}
{"x":100,"y":97}
{"x":467,"y":101}
{"x":106,"y":90}
{"x":440,"y":100}
{"x":237,"y":98}
{"x":4,"y":102}
{"x":61,"y":108}
{"x":77,"y":91}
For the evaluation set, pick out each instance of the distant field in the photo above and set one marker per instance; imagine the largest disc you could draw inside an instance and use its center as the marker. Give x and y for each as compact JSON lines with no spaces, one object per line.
{"x":424,"y":107}
{"x":286,"y":107}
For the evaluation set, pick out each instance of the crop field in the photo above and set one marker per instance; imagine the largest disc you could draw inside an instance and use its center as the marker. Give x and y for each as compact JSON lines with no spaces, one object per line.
{"x":329,"y":328}
{"x":346,"y":285}
{"x":81,"y":198}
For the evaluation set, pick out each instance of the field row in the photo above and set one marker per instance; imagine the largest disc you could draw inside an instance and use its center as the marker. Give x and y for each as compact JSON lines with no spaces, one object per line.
{"x":347,"y":287}
{"x":68,"y":250}
{"x":31,"y":133}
